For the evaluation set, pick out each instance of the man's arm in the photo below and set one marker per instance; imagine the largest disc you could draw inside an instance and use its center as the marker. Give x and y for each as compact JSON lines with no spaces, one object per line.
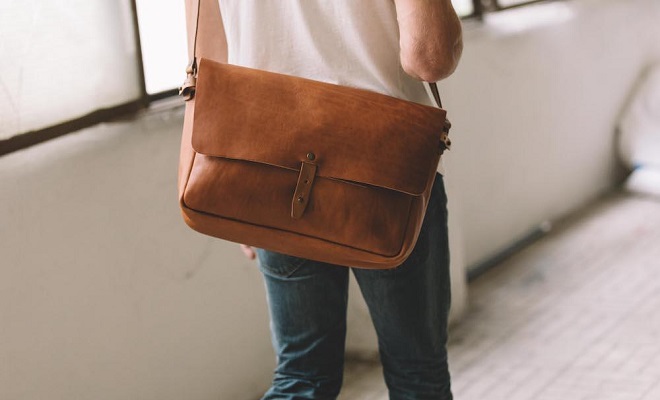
{"x":430,"y":38}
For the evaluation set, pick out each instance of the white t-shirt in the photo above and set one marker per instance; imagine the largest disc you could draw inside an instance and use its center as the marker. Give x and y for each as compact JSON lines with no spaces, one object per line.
{"x":347,"y":42}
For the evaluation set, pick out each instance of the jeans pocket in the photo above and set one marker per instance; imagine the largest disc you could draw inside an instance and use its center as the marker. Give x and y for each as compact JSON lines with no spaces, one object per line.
{"x":278,"y":264}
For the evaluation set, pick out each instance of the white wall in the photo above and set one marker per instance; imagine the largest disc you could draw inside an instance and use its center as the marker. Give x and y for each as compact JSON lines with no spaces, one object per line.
{"x":534,"y":104}
{"x":104,"y":298}
{"x":105,"y":293}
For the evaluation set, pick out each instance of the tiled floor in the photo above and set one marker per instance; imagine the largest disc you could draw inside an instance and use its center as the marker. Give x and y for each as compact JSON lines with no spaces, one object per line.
{"x":575,"y":316}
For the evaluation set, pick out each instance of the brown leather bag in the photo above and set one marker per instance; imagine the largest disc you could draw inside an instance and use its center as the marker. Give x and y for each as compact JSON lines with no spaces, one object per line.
{"x":310,"y":169}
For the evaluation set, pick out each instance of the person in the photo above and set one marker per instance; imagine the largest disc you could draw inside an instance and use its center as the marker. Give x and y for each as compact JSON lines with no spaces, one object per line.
{"x":388,"y":46}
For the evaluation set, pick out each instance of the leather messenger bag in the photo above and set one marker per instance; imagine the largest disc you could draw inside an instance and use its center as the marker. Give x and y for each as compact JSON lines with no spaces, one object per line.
{"x":301,"y":167}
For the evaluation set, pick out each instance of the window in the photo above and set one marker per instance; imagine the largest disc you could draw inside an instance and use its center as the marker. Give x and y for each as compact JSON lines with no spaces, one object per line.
{"x":476,"y":8}
{"x":62,"y":59}
{"x":511,"y":3}
{"x":163,"y":37}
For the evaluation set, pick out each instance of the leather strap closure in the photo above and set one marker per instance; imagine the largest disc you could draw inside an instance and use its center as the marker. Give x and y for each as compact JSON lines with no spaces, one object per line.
{"x":303,"y":189}
{"x":187,"y":90}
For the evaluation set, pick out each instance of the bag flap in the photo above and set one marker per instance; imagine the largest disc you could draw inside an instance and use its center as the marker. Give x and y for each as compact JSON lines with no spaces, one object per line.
{"x":353,"y":134}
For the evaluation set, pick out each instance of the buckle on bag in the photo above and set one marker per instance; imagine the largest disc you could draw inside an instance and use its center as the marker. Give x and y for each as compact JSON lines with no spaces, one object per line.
{"x":445,"y":142}
{"x":303,"y":187}
{"x":187,"y":90}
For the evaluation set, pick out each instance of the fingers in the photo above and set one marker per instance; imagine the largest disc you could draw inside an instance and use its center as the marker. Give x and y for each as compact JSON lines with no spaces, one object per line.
{"x":248,"y":252}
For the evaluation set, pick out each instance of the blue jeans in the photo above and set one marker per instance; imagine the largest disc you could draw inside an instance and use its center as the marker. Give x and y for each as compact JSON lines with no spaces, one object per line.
{"x":409,"y":306}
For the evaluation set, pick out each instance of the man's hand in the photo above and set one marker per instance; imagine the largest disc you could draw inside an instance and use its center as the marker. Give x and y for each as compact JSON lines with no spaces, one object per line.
{"x":248,"y":252}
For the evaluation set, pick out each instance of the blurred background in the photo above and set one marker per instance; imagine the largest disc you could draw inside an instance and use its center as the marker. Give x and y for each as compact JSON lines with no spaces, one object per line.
{"x":106,"y":294}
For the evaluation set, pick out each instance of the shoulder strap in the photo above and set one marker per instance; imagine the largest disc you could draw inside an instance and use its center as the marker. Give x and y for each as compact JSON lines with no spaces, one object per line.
{"x":203,"y":24}
{"x":194,"y":44}
{"x":436,"y":94}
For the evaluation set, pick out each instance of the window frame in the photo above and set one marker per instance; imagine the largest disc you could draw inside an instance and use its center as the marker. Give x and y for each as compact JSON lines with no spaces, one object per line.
{"x":23,"y":140}
{"x":482,"y":7}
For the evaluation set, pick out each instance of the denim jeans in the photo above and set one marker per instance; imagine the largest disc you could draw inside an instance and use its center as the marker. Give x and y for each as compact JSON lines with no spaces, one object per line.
{"x":408,"y":305}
